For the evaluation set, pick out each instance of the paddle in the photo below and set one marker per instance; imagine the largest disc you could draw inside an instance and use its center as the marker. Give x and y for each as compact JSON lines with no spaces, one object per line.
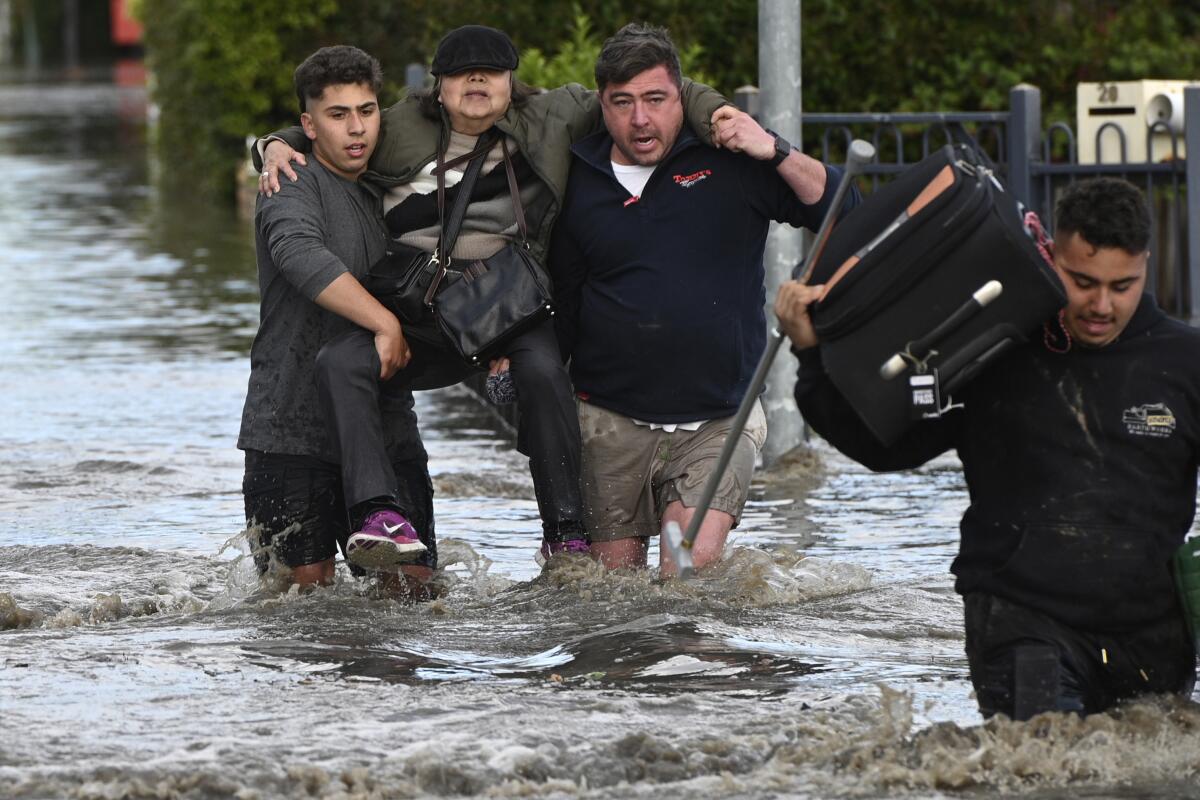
{"x":679,"y":544}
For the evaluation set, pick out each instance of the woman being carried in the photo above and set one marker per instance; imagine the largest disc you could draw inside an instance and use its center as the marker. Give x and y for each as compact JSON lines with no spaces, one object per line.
{"x":474,"y":93}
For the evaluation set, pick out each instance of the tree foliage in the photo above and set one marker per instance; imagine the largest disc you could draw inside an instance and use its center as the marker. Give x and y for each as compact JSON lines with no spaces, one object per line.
{"x":223,"y":67}
{"x":938,"y":55}
{"x":575,"y":59}
{"x":573,"y":63}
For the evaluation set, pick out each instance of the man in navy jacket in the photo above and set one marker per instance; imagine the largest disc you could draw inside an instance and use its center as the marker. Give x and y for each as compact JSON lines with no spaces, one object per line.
{"x":1080,"y":453}
{"x":658,"y":266}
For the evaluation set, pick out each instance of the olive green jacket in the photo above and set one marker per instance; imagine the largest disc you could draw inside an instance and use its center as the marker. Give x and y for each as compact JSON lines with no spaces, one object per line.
{"x":544,"y":128}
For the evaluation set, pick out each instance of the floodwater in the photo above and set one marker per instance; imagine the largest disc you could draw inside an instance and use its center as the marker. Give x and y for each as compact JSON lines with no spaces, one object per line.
{"x":139,"y":658}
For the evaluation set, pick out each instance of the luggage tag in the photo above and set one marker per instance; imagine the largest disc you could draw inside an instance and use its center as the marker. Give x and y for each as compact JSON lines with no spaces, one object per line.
{"x":924,"y":396}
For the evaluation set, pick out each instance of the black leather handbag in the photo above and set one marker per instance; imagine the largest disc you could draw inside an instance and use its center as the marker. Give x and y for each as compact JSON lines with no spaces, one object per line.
{"x":400,"y":280}
{"x":480,"y":305}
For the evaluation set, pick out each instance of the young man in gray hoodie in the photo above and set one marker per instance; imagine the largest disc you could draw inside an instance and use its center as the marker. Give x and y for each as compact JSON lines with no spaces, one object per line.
{"x":315,"y":240}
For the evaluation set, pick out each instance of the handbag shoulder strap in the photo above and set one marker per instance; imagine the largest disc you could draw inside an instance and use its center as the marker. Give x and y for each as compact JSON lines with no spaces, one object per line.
{"x":450,"y":229}
{"x":515,"y":191}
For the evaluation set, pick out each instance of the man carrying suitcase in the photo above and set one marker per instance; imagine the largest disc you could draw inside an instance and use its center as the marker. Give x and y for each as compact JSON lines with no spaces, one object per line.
{"x":1080,"y":451}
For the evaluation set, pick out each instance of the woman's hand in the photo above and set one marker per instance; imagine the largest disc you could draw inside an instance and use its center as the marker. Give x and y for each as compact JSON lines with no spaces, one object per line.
{"x":737,"y":131}
{"x":276,"y":157}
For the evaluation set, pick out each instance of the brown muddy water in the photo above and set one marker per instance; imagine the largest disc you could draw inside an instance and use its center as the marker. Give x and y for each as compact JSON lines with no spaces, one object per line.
{"x":139,"y":658}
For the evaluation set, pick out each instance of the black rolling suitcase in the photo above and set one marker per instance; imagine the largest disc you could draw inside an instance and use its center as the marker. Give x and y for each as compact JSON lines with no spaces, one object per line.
{"x":929,"y":280}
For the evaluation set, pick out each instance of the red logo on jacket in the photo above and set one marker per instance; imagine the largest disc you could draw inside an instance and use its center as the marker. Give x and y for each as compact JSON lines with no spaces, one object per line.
{"x":687,"y":181}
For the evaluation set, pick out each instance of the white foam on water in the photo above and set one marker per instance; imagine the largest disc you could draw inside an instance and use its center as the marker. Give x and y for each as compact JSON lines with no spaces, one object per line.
{"x":66,"y":585}
{"x":746,"y":578}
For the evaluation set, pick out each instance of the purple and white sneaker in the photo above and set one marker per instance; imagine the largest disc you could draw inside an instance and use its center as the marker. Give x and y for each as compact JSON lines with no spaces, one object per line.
{"x":570,"y":546}
{"x":386,"y":540}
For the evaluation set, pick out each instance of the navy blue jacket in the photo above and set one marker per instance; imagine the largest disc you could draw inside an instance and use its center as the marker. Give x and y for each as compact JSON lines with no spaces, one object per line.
{"x":661,"y":299}
{"x":1081,"y":468}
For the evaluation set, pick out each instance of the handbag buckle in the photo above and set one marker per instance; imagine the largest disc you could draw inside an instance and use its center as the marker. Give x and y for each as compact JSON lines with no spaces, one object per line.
{"x":440,"y":273}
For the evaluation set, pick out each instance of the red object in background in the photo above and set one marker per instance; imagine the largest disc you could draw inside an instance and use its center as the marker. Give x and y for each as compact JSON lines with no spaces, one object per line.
{"x":126,"y":30}
{"x":129,"y":72}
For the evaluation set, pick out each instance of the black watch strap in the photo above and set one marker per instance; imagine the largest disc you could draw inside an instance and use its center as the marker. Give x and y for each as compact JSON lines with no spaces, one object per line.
{"x":783,"y":148}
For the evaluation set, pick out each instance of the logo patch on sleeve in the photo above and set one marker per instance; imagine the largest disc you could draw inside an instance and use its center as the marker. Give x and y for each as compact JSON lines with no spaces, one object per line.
{"x":1150,"y":419}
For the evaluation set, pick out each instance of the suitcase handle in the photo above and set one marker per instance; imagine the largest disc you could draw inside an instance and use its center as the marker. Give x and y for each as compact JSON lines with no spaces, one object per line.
{"x":916,"y":352}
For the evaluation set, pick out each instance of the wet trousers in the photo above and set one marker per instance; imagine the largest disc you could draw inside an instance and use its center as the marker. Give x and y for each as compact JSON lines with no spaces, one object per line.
{"x":1023,"y":662}
{"x":296,"y":513}
{"x":352,"y":397}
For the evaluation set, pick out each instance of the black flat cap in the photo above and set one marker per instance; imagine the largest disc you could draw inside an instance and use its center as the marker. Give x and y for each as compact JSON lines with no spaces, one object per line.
{"x":474,"y":46}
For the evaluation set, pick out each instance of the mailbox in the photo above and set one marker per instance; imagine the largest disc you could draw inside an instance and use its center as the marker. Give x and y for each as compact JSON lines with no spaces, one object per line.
{"x":1130,"y":122}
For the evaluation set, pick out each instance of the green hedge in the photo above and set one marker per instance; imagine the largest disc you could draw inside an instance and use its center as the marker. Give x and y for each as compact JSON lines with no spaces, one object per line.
{"x":966,"y":55}
{"x":223,"y":67}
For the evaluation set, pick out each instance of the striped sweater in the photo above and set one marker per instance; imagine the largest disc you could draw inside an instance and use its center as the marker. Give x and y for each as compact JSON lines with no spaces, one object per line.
{"x":411,"y":208}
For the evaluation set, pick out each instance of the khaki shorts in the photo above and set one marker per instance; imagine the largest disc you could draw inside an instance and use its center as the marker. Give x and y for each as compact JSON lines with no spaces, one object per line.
{"x":630,"y":472}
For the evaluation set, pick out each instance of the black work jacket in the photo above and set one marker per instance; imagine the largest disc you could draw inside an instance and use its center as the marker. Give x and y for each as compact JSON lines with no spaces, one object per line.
{"x":1081,"y":468}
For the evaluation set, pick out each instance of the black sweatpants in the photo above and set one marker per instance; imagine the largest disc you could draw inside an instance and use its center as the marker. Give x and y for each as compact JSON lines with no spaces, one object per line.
{"x":1024,"y":662}
{"x":547,"y":431}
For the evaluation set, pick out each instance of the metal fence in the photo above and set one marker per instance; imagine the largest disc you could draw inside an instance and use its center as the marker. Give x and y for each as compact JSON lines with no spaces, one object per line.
{"x":1036,"y":163}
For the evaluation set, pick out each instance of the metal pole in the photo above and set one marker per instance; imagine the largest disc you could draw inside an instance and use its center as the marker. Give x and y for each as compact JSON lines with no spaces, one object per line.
{"x":1191,"y":137}
{"x":29,"y":37}
{"x":414,"y":77}
{"x":677,"y":543}
{"x":6,"y":32}
{"x":748,"y":99}
{"x":1024,"y":140}
{"x":780,"y":84}
{"x":71,"y":35}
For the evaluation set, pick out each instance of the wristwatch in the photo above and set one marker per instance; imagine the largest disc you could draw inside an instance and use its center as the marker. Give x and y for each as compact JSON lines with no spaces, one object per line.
{"x":783,"y":149}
